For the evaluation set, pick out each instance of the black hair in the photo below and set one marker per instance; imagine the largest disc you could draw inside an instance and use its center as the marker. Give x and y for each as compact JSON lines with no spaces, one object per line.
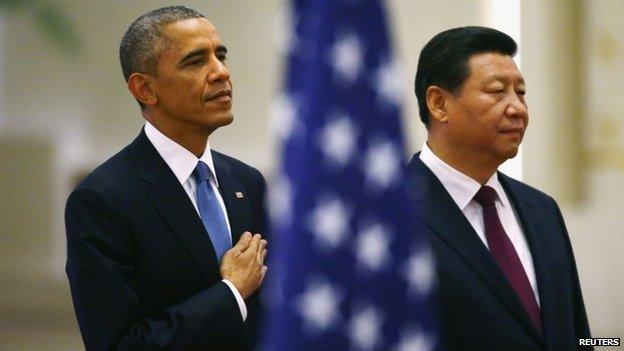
{"x":444,"y":59}
{"x":143,"y":42}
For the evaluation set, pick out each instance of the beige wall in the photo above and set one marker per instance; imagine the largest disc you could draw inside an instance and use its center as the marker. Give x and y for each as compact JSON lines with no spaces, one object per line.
{"x":572,"y":57}
{"x":62,"y":114}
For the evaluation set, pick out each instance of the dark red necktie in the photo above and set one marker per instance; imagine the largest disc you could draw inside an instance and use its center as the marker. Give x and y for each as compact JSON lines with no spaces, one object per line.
{"x":505,"y":255}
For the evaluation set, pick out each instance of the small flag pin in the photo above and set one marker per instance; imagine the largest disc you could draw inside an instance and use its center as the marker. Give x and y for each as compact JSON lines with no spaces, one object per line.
{"x":239,"y":195}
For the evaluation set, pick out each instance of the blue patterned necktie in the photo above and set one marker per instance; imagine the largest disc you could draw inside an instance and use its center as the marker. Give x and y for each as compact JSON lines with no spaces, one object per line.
{"x":210,"y":210}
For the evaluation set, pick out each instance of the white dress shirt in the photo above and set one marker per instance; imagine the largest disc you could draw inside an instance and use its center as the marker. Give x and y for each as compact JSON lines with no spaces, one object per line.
{"x":462,"y":189}
{"x":182,"y":162}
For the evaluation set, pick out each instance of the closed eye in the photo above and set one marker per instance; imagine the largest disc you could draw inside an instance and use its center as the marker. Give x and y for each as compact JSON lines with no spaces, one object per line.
{"x":221,"y":55}
{"x":195,"y":62}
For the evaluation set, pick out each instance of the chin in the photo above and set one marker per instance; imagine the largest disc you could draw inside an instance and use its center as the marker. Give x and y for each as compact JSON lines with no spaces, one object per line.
{"x":511,"y":153}
{"x":219,"y":120}
{"x":508,"y":148}
{"x":503,"y":154}
{"x":226,"y":120}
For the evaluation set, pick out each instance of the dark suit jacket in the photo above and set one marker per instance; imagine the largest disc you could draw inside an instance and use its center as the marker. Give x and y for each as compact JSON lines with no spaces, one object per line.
{"x":478,"y":309}
{"x":141,"y":267}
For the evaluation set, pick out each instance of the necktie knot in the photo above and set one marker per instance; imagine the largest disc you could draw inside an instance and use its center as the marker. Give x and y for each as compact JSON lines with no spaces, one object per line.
{"x":486,"y":196}
{"x":201,"y":172}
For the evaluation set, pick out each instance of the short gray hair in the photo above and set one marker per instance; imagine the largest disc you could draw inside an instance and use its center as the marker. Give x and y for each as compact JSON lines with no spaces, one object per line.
{"x":143,"y":42}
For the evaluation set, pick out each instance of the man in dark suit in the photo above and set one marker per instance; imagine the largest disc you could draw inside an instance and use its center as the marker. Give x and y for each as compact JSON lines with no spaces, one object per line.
{"x":507,"y":274}
{"x":160,"y":254}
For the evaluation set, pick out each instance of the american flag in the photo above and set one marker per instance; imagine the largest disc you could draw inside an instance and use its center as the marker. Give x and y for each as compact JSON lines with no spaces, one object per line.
{"x":349,"y":269}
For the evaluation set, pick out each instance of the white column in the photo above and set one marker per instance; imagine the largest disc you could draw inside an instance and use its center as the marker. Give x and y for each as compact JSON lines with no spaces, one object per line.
{"x":2,"y":68}
{"x":505,"y":16}
{"x":553,"y":70}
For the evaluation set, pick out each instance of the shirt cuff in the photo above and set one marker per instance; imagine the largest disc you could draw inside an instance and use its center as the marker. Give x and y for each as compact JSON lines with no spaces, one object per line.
{"x":239,"y":299}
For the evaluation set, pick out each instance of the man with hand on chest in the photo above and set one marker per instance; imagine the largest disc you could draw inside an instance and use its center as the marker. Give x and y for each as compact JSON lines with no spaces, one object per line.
{"x":161,"y":254}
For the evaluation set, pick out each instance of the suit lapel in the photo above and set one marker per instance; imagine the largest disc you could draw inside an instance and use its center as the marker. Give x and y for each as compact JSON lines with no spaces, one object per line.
{"x":529,"y":216}
{"x":234,"y":196}
{"x":446,"y":220}
{"x":172,"y":202}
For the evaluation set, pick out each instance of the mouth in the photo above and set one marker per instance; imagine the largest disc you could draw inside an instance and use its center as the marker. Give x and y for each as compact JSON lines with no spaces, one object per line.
{"x":518,"y":130}
{"x":513,"y":132}
{"x":223,"y":95}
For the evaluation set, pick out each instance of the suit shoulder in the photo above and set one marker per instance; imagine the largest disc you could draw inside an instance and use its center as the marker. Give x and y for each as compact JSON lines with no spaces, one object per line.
{"x":238,"y":167}
{"x":112,"y":174}
{"x":527,"y":190}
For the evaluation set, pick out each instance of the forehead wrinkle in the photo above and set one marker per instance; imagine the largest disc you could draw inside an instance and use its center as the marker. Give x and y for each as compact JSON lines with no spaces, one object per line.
{"x":183,"y":39}
{"x":498,"y":71}
{"x":171,"y":32}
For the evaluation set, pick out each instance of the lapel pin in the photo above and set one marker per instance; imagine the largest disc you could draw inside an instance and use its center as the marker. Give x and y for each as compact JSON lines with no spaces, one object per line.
{"x":239,"y":195}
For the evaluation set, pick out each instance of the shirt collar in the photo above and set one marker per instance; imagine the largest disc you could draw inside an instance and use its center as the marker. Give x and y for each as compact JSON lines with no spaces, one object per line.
{"x":181,"y":161}
{"x":461,"y":187}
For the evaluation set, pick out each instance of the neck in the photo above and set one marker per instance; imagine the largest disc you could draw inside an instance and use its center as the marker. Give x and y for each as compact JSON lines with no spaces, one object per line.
{"x":468,"y":163}
{"x":190,"y":137}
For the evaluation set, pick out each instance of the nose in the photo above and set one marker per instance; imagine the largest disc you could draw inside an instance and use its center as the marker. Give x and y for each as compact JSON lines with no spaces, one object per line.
{"x":517,"y":107}
{"x":219,"y":72}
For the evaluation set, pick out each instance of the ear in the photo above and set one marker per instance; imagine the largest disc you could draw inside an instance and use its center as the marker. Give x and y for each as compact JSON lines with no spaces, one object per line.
{"x":139,"y":86}
{"x":437,"y":102}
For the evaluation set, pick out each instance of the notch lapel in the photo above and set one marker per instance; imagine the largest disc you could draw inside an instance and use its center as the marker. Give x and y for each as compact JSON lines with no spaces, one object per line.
{"x":238,"y":208}
{"x":533,"y":229}
{"x":173,"y":204}
{"x":445,"y":219}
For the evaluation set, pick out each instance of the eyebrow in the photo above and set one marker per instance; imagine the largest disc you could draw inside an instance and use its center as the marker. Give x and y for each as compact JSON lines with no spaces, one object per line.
{"x":221,"y":49}
{"x":500,"y":78}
